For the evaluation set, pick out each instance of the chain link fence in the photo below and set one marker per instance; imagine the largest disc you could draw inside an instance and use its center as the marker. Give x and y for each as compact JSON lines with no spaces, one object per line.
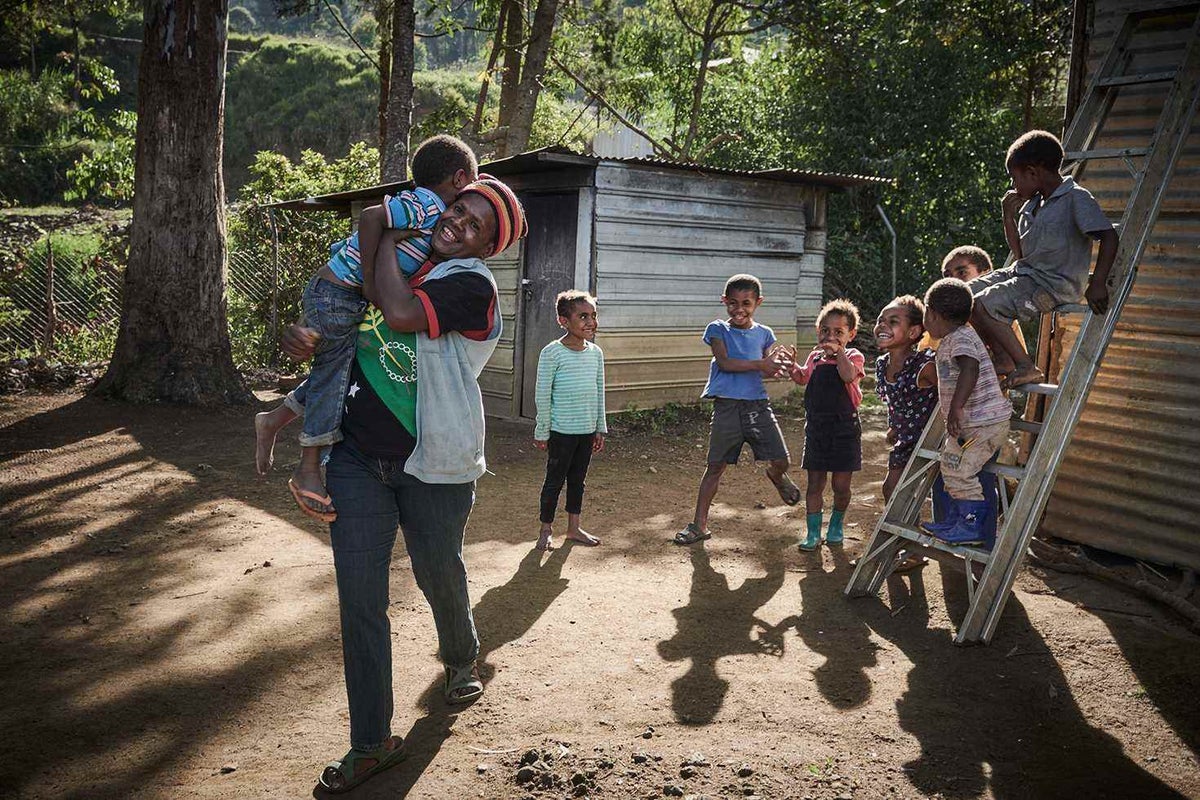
{"x":64,"y":306}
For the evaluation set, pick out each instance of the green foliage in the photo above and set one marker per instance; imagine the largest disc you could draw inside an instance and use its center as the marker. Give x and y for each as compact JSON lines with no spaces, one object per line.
{"x":304,"y":239}
{"x":105,"y":172}
{"x":37,"y":140}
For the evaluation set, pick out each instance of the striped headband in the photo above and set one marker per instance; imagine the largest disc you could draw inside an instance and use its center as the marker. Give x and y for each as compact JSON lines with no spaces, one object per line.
{"x":510,"y":217}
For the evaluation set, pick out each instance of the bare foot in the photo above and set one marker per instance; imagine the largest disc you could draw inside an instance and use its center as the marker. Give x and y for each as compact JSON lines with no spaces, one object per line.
{"x":789,"y":492}
{"x":543,"y":542}
{"x":583,"y":537}
{"x":1022,"y":374}
{"x":267,"y":426}
{"x":1003,"y":363}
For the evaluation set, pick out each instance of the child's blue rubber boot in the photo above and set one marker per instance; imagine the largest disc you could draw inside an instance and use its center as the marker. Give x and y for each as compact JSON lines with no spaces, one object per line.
{"x":952,"y":512}
{"x":813,"y":540}
{"x":971,"y":528}
{"x":835,"y":534}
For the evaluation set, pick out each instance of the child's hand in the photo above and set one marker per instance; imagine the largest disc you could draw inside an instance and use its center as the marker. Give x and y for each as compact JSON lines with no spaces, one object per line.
{"x":891,"y":435}
{"x":954,"y":421}
{"x":299,"y":342}
{"x":1010,"y":206}
{"x":597,"y":442}
{"x":1097,"y":297}
{"x":539,"y":444}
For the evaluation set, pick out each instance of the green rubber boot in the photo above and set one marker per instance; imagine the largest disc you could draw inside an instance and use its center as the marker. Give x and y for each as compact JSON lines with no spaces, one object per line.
{"x":813,"y":540}
{"x":835,"y":534}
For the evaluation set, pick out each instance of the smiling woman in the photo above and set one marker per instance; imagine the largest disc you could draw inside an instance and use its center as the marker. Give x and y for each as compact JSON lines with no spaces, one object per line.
{"x":413,"y":447}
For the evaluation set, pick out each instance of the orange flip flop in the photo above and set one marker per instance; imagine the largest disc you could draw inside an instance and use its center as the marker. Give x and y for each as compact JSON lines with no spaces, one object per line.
{"x":299,"y":494}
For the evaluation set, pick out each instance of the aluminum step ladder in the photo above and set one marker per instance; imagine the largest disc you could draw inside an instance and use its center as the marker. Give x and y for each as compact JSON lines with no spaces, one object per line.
{"x":1021,"y":514}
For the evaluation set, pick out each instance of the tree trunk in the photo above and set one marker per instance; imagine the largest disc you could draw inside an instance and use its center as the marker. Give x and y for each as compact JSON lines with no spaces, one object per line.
{"x":383,"y":22}
{"x":521,"y":124}
{"x":173,"y":343}
{"x":510,"y":78}
{"x":394,"y":148}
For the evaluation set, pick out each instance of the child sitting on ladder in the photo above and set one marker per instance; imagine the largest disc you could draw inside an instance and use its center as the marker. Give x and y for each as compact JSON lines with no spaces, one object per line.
{"x":570,"y":412}
{"x":1049,"y":222}
{"x":832,"y":434}
{"x":976,"y":412}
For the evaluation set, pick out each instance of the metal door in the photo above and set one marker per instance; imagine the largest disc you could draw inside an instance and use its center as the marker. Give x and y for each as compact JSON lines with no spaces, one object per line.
{"x":549,"y":269}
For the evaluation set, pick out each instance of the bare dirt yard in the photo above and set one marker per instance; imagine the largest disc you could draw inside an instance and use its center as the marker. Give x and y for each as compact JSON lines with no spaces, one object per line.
{"x":169,"y":629}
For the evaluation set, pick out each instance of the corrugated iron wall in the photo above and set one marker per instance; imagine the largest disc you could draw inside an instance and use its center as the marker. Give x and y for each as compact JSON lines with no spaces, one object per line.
{"x":496,"y":381}
{"x":665,"y":243}
{"x":1130,"y":482}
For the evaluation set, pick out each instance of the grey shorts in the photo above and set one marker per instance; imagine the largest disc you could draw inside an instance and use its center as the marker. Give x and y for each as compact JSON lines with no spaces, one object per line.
{"x":1008,"y":296}
{"x":736,"y":422}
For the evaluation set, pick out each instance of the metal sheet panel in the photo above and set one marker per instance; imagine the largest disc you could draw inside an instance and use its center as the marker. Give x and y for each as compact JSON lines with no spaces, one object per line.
{"x":1130,"y":481}
{"x":496,"y":381}
{"x":665,"y":243}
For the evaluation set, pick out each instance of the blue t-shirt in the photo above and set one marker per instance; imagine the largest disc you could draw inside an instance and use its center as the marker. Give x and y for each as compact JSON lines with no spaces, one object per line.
{"x":412,"y":209}
{"x":746,"y":343}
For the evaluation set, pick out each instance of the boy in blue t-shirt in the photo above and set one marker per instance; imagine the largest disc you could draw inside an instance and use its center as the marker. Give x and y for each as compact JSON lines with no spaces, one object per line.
{"x":743,"y":353}
{"x":335,"y":301}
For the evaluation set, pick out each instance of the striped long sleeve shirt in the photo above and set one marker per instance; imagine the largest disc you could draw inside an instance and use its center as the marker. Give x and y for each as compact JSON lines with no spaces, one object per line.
{"x":570,"y":390}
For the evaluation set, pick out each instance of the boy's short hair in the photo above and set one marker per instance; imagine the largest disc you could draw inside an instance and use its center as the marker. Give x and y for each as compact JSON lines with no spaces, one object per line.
{"x":566,"y":301}
{"x":913,"y":307}
{"x":743,"y":283}
{"x":437,"y":159}
{"x":950,"y":298}
{"x":843,"y":307}
{"x":1036,"y":148}
{"x":976,"y":255}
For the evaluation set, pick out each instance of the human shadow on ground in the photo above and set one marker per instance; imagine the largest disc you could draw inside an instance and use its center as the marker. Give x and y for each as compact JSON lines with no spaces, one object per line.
{"x":503,"y":614}
{"x":825,"y":628}
{"x":718,"y":622}
{"x":996,"y":719}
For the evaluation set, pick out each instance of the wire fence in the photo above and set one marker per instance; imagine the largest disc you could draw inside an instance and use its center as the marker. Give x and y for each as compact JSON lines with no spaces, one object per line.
{"x":63,"y":306}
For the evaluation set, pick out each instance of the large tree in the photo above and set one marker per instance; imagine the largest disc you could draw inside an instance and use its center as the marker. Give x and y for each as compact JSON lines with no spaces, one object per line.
{"x":173,"y":343}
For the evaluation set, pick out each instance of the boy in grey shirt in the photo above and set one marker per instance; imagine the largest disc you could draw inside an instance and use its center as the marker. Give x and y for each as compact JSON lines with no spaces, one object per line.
{"x":1049,"y":222}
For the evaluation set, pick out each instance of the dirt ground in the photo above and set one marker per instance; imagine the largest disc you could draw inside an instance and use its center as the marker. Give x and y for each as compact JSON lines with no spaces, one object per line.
{"x":168,"y":629}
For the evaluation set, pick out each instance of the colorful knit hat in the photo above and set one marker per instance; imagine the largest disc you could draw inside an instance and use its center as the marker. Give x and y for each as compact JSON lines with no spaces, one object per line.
{"x":510,"y":217}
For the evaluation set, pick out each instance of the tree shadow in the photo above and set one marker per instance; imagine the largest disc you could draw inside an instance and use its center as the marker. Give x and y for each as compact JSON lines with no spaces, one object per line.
{"x":998,"y":720}
{"x":719,"y":622}
{"x":843,"y":639}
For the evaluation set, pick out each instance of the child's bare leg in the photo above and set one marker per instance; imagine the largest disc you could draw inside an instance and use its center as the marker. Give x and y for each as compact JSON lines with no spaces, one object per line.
{"x":814,"y":495}
{"x":708,"y":490}
{"x":578,"y":534}
{"x":307,"y":476}
{"x":841,"y":490}
{"x":890,"y":482}
{"x":545,"y":536}
{"x":789,"y":492}
{"x":1003,"y":341}
{"x":267,"y":426}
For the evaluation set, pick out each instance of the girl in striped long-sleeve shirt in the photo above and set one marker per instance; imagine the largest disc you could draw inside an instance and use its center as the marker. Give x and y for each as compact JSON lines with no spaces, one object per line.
{"x":570,"y":412}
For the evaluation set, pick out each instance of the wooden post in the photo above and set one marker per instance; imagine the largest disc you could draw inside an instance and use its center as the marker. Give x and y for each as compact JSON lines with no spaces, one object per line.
{"x":51,"y":312}
{"x":274,"y":287}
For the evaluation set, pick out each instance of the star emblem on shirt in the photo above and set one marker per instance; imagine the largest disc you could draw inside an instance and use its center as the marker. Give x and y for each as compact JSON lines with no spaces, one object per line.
{"x":354,"y":387}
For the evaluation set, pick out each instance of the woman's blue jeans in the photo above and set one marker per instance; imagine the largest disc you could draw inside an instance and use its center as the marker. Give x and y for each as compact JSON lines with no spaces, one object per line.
{"x":373,"y":497}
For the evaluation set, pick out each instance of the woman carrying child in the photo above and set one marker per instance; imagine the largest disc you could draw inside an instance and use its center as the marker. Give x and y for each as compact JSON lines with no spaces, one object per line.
{"x":832,"y":434}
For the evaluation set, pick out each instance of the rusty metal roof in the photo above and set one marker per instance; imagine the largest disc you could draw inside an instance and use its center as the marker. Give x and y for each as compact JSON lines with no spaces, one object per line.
{"x":554,"y":158}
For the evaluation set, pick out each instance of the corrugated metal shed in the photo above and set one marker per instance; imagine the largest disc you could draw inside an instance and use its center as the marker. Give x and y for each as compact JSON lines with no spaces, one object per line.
{"x":655,"y":241}
{"x":1130,"y":482}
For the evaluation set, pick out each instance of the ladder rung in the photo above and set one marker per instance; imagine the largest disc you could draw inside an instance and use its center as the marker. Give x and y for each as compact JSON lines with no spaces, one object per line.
{"x":1106,"y":152}
{"x":1072,"y":308}
{"x":925,"y":540}
{"x":1019,"y":424}
{"x":1006,"y":470}
{"x":1048,"y":389}
{"x":1132,"y":80}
